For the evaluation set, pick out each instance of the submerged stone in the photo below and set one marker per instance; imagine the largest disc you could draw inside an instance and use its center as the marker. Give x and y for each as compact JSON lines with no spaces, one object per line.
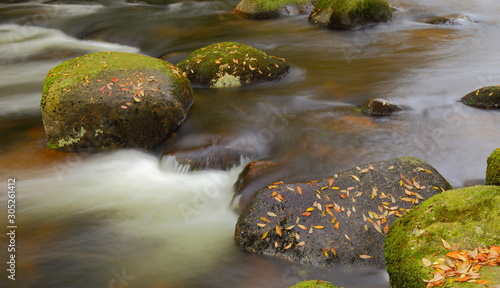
{"x":465,"y":219}
{"x":380,"y":107}
{"x":350,"y":14}
{"x":493,"y":169}
{"x":342,"y":220}
{"x":452,"y":19}
{"x":231,"y":64}
{"x":486,"y":97}
{"x":111,"y":100}
{"x":263,"y":9}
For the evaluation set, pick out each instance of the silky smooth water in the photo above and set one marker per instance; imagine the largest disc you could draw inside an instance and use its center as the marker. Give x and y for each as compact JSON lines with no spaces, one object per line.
{"x":135,"y":219}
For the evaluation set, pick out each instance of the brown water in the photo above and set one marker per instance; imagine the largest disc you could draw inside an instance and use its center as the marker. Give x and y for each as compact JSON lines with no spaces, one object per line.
{"x":127,"y":219}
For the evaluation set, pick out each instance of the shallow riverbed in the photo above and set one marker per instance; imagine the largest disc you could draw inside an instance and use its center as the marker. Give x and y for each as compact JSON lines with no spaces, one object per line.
{"x":134,"y":219}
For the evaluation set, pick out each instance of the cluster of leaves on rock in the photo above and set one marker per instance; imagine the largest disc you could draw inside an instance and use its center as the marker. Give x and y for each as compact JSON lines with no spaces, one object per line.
{"x":461,"y":265}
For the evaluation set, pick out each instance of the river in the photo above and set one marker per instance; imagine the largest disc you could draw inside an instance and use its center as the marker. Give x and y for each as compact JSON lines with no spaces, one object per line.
{"x":137,"y":219}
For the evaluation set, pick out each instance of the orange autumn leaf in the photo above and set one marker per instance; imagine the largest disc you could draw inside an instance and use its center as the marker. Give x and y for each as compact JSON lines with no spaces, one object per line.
{"x":454,"y":255}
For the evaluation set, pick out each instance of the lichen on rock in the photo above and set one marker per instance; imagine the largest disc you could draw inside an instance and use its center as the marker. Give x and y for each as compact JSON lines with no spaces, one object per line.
{"x":111,"y":100}
{"x":231,"y":64}
{"x":465,"y":219}
{"x":350,"y":14}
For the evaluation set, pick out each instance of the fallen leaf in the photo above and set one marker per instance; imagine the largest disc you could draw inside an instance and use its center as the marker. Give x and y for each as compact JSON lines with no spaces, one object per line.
{"x":446,"y":244}
{"x":278,"y":231}
{"x":264,"y":235}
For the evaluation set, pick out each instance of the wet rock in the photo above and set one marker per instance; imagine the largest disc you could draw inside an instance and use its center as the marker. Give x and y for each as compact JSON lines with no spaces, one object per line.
{"x":256,"y":175}
{"x":465,"y":218}
{"x":493,"y":170}
{"x":380,"y":107}
{"x":202,"y":152}
{"x":486,"y":97}
{"x":350,"y":14}
{"x":452,"y":19}
{"x":231,"y":64}
{"x":314,"y":284}
{"x":264,"y":9}
{"x":340,"y":220}
{"x":113,"y":100}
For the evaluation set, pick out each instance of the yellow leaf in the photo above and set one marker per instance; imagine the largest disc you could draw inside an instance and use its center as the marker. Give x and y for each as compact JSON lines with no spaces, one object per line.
{"x":264,"y":235}
{"x":302,"y":227}
{"x":354,"y":177}
{"x":265,"y":219}
{"x":261,"y":224}
{"x":325,"y":252}
{"x":271,"y":214}
{"x":319,"y":227}
{"x":310,"y":209}
{"x":288,"y":246}
{"x":365,"y":256}
{"x":278,"y":230}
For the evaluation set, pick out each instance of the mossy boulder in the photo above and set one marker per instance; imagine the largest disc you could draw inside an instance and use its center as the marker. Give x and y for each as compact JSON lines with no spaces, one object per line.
{"x":486,"y":97}
{"x":264,"y":9}
{"x":493,"y":169}
{"x":465,"y":218}
{"x":314,"y":284}
{"x":350,"y":14}
{"x":379,"y":107}
{"x":231,"y":64}
{"x":111,"y":100}
{"x":341,"y":220}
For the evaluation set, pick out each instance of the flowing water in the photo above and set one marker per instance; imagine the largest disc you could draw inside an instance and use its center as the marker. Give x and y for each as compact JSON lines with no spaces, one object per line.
{"x":135,"y":219}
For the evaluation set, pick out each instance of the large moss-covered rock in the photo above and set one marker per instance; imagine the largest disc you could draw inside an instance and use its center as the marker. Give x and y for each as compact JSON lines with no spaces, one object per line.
{"x":314,"y":284}
{"x":263,"y":9}
{"x":486,"y":97}
{"x":493,"y":169}
{"x":465,"y":218}
{"x":231,"y":64}
{"x":340,"y":220}
{"x":350,"y":14}
{"x":112,"y":100}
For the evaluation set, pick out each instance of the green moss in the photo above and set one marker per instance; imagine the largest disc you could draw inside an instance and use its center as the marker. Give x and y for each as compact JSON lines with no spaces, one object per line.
{"x":349,"y":14}
{"x":467,"y":217}
{"x":314,"y":284}
{"x":207,"y":65}
{"x":111,"y":100}
{"x":493,"y":169}
{"x":265,"y":9}
{"x":270,"y":5}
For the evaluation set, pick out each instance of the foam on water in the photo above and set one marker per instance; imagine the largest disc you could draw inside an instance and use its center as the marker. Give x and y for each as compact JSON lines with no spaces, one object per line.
{"x":185,"y":214}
